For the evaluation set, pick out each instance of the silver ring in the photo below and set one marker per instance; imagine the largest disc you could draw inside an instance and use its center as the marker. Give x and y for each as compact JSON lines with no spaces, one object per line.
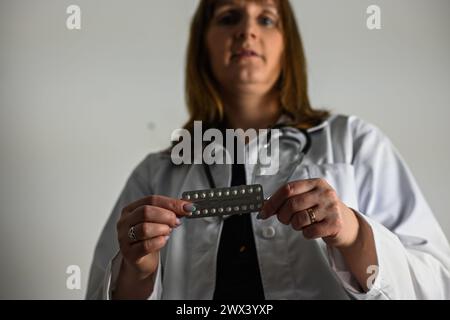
{"x":132,"y":234}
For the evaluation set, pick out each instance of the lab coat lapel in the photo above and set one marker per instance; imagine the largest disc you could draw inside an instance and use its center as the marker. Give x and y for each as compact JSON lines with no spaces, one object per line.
{"x":221,"y":173}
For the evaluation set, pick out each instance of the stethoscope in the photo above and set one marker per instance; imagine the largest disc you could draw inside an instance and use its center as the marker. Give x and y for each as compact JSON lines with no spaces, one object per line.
{"x":298,"y":138}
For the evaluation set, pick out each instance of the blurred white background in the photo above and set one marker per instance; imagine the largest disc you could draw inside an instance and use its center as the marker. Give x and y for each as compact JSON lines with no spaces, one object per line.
{"x":79,"y":109}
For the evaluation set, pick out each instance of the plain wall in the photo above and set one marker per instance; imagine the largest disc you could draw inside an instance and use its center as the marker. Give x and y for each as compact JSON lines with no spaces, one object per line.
{"x":79,"y":109}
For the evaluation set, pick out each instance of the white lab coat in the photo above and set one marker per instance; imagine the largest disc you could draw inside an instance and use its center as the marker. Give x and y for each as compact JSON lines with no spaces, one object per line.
{"x":368,"y":174}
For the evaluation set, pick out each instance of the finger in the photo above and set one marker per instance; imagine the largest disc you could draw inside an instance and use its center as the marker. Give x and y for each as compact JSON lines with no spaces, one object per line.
{"x":319,"y":230}
{"x":290,"y":189}
{"x":297,"y":204}
{"x":151,"y":214}
{"x":303,"y":219}
{"x":146,"y":230}
{"x":142,"y":248}
{"x":179,"y":207}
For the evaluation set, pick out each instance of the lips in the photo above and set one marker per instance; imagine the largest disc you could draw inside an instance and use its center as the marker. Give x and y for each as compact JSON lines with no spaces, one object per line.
{"x":244,"y":54}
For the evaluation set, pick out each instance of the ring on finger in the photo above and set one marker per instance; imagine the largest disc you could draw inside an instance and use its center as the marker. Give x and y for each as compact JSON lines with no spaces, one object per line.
{"x":312,"y":214}
{"x":132,"y":234}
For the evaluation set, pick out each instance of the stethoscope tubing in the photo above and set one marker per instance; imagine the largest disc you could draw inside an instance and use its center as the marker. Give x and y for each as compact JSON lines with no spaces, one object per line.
{"x":302,"y":149}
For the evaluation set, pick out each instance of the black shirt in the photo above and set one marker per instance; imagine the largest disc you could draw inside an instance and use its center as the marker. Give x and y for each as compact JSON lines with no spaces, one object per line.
{"x":238,"y":275}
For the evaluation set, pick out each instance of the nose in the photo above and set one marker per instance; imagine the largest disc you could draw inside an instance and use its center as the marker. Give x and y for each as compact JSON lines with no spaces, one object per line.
{"x":246,"y":30}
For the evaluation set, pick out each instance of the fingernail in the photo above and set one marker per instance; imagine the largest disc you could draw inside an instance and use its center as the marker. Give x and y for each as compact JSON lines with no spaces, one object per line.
{"x":178,"y":222}
{"x":189,"y":207}
{"x":166,"y":238}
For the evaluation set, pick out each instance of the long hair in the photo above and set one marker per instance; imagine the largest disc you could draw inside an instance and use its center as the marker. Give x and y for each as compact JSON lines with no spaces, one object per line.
{"x":202,"y":94}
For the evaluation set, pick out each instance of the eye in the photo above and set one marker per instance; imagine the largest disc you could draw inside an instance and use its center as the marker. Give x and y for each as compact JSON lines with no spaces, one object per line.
{"x":267,"y":21}
{"x":230,"y":18}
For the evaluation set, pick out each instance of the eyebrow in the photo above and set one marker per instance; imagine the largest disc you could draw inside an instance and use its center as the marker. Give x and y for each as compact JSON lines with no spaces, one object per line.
{"x":222,"y":3}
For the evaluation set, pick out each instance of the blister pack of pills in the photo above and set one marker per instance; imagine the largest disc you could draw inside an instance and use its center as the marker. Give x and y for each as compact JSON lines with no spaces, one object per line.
{"x":225,"y":201}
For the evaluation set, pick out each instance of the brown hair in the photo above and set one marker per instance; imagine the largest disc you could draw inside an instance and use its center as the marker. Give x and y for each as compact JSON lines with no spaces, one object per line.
{"x":202,"y":94}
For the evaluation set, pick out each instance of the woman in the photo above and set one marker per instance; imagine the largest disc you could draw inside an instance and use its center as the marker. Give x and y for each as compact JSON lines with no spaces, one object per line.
{"x":350,"y":223}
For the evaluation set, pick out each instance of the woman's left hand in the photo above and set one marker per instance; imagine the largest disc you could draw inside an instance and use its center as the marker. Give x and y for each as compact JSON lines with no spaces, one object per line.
{"x":313,"y":207}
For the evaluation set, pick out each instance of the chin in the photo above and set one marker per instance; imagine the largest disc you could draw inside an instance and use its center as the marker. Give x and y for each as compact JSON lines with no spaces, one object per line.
{"x":248,"y":76}
{"x":246,"y":86}
{"x":243,"y":80}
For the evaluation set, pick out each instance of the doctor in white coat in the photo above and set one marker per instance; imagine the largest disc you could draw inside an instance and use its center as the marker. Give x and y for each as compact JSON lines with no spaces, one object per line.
{"x":348,"y":222}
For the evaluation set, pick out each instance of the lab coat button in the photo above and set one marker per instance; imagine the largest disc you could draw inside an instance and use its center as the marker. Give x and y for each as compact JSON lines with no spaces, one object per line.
{"x":268,"y":232}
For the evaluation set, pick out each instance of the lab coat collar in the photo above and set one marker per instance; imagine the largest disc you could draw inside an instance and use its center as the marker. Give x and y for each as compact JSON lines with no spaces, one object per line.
{"x":221,"y":173}
{"x":285,"y":118}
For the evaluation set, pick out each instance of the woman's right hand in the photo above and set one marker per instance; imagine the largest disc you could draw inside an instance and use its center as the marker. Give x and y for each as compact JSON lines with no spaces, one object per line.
{"x":153,"y":218}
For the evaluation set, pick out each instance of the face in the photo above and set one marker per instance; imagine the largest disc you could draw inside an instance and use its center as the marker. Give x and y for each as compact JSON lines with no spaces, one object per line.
{"x":245,"y":45}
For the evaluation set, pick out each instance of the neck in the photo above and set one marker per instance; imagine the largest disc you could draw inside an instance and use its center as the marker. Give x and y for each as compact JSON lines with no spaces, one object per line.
{"x":245,"y":111}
